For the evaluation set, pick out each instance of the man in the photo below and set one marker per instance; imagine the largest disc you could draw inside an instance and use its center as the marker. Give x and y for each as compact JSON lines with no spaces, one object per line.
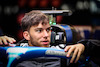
{"x":37,"y":30}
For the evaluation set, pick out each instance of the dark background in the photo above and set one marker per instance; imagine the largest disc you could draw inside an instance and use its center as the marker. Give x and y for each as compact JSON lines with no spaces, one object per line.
{"x":85,"y":12}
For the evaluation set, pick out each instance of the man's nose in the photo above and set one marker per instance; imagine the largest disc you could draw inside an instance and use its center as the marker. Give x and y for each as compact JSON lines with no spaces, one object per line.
{"x":45,"y":34}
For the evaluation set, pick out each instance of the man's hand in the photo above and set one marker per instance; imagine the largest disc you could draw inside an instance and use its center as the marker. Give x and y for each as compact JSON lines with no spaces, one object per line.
{"x":76,"y":49}
{"x":6,"y":40}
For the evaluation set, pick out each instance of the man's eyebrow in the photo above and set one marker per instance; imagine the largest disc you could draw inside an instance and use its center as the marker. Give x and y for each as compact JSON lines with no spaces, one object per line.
{"x":49,"y":28}
{"x":38,"y":28}
{"x":42,"y":28}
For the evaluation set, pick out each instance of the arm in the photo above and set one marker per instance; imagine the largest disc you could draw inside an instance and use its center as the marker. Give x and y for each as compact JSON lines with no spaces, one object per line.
{"x":92,"y":49}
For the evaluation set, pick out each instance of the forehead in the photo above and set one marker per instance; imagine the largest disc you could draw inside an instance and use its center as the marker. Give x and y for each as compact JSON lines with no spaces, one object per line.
{"x":42,"y":25}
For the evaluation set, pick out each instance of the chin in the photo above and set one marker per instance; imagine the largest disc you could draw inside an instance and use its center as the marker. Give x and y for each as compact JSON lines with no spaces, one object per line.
{"x":45,"y":46}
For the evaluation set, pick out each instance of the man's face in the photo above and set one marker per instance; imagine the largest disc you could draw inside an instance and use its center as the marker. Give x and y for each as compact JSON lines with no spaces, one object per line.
{"x":40,"y":35}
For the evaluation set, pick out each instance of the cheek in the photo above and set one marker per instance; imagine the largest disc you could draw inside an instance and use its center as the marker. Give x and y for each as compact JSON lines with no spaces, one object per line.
{"x":50,"y":34}
{"x":37,"y":36}
{"x":34,"y":39}
{"x":34,"y":36}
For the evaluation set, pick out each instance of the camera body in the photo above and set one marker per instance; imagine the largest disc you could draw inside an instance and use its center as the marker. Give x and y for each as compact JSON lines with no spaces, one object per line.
{"x":64,"y":34}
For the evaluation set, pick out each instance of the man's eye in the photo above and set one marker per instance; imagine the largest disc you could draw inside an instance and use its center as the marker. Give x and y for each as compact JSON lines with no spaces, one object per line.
{"x":38,"y":31}
{"x":48,"y":30}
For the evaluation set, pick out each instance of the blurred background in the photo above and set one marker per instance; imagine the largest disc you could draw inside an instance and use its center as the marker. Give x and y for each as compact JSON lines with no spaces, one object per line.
{"x":85,"y":18}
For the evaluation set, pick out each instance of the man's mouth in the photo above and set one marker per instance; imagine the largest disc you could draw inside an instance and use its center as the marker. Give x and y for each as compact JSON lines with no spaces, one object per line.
{"x":45,"y":42}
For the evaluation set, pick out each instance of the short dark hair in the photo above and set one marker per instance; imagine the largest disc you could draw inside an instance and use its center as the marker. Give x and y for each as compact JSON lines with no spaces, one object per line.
{"x":33,"y":18}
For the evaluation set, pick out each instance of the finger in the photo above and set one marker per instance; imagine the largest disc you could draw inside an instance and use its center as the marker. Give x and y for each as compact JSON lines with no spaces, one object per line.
{"x":78,"y":56}
{"x":10,"y":40}
{"x":70,"y":51}
{"x":13,"y":40}
{"x":4,"y":41}
{"x":67,"y":48}
{"x":74,"y":55}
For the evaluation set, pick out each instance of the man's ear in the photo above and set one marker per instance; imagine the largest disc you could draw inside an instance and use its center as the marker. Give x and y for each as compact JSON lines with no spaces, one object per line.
{"x":26,"y":35}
